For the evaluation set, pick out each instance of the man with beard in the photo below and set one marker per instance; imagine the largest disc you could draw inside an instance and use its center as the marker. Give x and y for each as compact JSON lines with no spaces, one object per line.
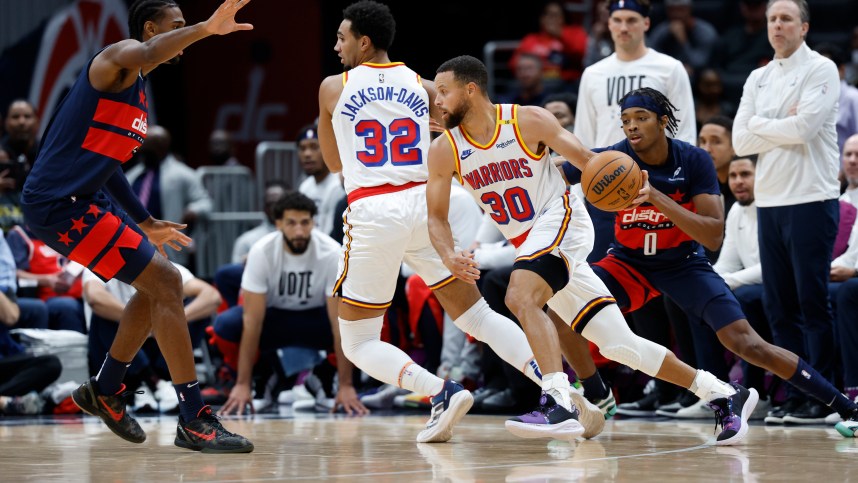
{"x":511,"y":176}
{"x":287,"y":285}
{"x":19,"y":144}
{"x":97,"y":127}
{"x":374,"y":127}
{"x":321,"y":185}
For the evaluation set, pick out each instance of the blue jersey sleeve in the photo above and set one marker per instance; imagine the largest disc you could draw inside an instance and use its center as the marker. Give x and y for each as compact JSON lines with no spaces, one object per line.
{"x":121,"y":191}
{"x":704,"y":179}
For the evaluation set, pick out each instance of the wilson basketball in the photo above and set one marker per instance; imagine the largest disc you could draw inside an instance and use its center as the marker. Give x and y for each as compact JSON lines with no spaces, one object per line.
{"x":611,"y":180}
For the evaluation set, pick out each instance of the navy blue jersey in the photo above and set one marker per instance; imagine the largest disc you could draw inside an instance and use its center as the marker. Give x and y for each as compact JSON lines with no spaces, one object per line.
{"x":90,"y":135}
{"x":645,"y":234}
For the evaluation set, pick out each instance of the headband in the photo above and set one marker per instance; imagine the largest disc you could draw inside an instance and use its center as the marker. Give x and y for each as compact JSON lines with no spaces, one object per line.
{"x":629,"y":5}
{"x":309,"y":133}
{"x":646,"y":102}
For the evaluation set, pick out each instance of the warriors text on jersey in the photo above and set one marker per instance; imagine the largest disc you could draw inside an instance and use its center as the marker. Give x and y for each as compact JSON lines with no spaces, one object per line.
{"x":381,"y":123}
{"x":511,"y":183}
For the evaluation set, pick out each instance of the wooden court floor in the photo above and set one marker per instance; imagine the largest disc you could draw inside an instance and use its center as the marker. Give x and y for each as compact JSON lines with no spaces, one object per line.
{"x":382,"y":449}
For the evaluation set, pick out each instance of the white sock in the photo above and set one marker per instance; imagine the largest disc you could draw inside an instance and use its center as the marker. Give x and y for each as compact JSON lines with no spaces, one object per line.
{"x":557,"y":385}
{"x":707,"y":387}
{"x":502,"y":335}
{"x":362,"y":345}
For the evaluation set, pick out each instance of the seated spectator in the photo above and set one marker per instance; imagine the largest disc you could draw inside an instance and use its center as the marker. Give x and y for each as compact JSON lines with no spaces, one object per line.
{"x":18,"y":149}
{"x":709,"y":101}
{"x":167,"y":187}
{"x":529,"y":88}
{"x":228,"y":277}
{"x":849,"y":162}
{"x":559,"y":46}
{"x":321,"y":186}
{"x":743,"y":48}
{"x":58,"y":280}
{"x":105,"y":303}
{"x":222,"y":149}
{"x":287,"y":289}
{"x":847,"y":114}
{"x":562,"y":105}
{"x":684,"y":37}
{"x":716,"y":138}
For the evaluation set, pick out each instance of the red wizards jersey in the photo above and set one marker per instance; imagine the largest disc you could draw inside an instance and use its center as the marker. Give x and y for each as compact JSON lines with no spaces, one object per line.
{"x":90,"y":135}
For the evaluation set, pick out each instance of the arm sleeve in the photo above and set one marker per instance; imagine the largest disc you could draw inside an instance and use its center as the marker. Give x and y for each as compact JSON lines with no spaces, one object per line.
{"x":819,"y":97}
{"x":119,"y":188}
{"x":746,"y":142}
{"x":729,"y":264}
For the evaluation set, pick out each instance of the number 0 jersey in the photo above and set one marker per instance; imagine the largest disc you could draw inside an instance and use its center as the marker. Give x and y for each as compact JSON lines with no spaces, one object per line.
{"x":510,"y":182}
{"x":381,"y":123}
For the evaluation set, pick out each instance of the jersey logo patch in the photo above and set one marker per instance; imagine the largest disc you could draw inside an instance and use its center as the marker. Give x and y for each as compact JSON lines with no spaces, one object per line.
{"x":466,"y":153}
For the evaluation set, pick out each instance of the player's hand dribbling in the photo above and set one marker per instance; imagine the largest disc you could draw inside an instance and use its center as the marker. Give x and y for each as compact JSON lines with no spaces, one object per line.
{"x":463,"y":266}
{"x":239,"y":398}
{"x":222,"y":21}
{"x":160,"y":233}
{"x":347,"y":399}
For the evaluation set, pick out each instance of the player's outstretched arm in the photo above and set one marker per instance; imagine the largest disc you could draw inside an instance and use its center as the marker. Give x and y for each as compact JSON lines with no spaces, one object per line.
{"x":241,"y":395}
{"x":329,"y":95}
{"x":442,"y":165}
{"x":540,"y":130}
{"x":106,"y":73}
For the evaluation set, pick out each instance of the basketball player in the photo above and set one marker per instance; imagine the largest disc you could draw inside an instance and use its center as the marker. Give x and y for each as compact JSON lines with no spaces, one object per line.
{"x":287,"y":287}
{"x":500,"y":153}
{"x":374,"y":127}
{"x":98,"y":126}
{"x":657,"y":247}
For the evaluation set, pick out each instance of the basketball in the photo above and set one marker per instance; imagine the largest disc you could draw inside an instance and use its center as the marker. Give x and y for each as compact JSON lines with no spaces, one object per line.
{"x":611,"y":180}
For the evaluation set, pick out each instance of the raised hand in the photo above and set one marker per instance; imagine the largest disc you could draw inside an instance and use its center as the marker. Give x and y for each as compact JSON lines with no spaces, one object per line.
{"x":222,"y":21}
{"x":160,"y":233}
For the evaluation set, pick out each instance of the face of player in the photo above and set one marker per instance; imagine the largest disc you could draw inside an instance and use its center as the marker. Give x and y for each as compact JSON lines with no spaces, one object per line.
{"x":786,"y":30}
{"x":451,"y":99}
{"x":171,"y":19}
{"x":850,"y":160}
{"x":310,"y":156}
{"x":348,"y":46}
{"x":296,"y":226}
{"x":627,"y":29}
{"x":562,"y":112}
{"x":21,"y":121}
{"x":716,"y":141}
{"x":741,"y":180}
{"x":642,"y":127}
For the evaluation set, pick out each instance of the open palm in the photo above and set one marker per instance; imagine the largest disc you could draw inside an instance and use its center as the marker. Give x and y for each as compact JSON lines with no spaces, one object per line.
{"x":222,"y":21}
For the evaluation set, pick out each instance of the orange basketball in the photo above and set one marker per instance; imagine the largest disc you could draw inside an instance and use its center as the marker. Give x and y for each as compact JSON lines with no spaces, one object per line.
{"x":611,"y":180}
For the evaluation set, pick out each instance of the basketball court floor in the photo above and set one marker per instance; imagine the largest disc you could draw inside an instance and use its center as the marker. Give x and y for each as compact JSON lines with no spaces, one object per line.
{"x":381,"y":448}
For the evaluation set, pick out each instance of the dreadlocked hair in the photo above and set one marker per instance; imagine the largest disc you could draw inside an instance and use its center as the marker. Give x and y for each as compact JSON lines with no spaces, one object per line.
{"x":142,"y":11}
{"x":663,"y":102}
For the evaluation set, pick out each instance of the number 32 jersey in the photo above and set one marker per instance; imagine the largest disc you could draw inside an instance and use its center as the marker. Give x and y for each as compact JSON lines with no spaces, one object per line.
{"x":381,"y":123}
{"x":510,"y":182}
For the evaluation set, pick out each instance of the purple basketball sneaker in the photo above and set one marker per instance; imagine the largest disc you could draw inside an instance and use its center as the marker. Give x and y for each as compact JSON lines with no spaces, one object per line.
{"x":732,"y":414}
{"x":548,"y":420}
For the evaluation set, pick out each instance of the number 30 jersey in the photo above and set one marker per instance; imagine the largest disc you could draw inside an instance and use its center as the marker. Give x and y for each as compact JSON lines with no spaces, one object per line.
{"x":510,"y":182}
{"x":381,"y":123}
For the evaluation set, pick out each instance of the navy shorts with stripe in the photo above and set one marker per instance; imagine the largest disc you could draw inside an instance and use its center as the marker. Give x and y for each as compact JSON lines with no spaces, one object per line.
{"x":693,"y":285}
{"x":94,"y":232}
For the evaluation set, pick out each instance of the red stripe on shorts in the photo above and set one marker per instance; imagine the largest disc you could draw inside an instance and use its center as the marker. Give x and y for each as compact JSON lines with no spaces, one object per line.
{"x":112,"y":261}
{"x":94,"y":242}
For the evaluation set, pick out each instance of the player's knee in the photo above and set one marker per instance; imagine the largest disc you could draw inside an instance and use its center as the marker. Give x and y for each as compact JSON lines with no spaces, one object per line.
{"x":518,"y":301}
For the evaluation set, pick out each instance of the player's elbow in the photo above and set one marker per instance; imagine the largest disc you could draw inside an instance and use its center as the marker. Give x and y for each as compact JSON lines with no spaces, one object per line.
{"x":714,"y":241}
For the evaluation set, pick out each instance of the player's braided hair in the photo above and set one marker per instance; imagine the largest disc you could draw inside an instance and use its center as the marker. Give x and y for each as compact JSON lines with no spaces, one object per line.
{"x":142,"y":11}
{"x":662,"y":101}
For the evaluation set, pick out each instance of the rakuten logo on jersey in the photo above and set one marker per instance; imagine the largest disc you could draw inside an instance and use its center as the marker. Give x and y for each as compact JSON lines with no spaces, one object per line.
{"x":140,"y":124}
{"x":648,"y":215}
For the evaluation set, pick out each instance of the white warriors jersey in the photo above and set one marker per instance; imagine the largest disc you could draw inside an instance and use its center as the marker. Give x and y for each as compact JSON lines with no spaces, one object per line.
{"x":381,"y":123}
{"x":509,"y":181}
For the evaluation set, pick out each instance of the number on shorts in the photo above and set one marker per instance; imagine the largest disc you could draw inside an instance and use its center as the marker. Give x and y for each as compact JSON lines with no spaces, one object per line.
{"x":514,"y":203}
{"x":402,"y":149}
{"x":650,"y":243}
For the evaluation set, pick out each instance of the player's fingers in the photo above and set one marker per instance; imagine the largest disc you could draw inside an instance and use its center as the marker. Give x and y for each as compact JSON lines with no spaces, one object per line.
{"x":243,"y":26}
{"x":162,"y":251}
{"x":174,"y":246}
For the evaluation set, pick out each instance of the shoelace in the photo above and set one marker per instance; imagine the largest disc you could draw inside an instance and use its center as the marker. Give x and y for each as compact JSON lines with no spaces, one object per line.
{"x":721,"y":413}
